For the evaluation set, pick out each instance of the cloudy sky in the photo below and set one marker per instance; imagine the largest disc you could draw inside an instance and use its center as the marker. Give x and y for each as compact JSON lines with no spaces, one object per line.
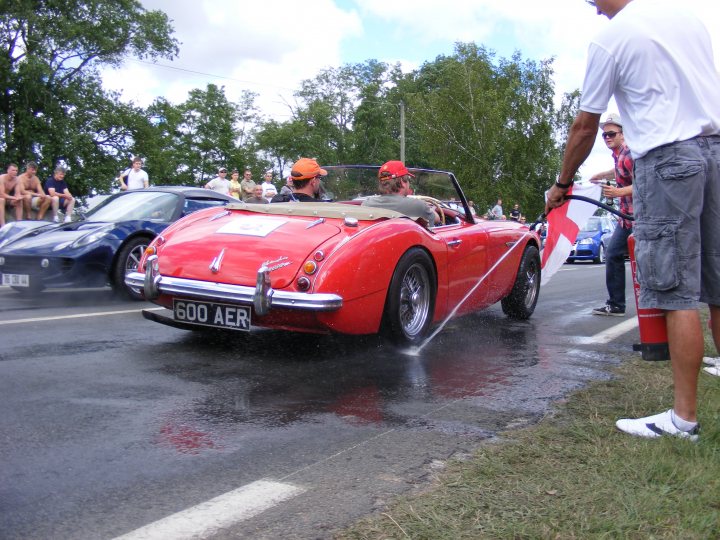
{"x":269,"y":46}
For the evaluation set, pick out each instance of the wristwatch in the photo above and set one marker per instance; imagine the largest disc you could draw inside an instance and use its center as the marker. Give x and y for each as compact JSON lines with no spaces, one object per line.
{"x":564,"y":186}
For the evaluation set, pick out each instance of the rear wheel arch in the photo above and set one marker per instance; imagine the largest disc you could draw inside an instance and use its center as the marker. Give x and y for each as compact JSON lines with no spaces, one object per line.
{"x":409,"y":306}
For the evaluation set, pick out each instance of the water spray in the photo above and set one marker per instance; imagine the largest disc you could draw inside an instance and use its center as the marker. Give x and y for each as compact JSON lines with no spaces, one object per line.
{"x":415,"y":351}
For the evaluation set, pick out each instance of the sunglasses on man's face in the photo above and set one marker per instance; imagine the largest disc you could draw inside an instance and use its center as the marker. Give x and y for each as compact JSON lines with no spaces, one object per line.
{"x":609,"y":134}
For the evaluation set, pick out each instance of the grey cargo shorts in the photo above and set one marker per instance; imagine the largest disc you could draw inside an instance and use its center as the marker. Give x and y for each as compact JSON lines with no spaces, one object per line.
{"x":676,"y":199}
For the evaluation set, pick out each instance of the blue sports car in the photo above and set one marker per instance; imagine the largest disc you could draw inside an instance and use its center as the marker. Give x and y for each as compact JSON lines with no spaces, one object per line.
{"x":100,"y":248}
{"x":592,"y":240}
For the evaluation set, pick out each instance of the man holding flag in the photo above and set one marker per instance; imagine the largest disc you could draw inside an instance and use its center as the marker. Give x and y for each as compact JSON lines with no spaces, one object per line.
{"x":657,"y":60}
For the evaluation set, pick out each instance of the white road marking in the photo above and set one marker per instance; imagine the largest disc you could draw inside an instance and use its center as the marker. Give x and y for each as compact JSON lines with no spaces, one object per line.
{"x":611,"y":333}
{"x":207,"y":518}
{"x":77,"y":316}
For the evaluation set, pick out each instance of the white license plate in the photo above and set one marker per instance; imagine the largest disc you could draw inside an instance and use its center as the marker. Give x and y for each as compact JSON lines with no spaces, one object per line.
{"x":16,"y":280}
{"x":225,"y":316}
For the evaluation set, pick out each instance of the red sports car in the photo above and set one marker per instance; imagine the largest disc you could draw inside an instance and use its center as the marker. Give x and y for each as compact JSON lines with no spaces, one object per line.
{"x":340,"y":266}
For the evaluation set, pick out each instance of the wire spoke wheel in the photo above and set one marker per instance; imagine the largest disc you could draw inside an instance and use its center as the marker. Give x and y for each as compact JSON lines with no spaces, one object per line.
{"x":414,"y":300}
{"x":410,"y":302}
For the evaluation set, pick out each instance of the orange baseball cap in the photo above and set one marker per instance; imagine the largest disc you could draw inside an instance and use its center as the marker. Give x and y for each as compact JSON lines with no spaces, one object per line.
{"x":306,"y":169}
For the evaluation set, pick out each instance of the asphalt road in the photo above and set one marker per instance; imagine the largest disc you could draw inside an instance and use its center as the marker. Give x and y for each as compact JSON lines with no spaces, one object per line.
{"x":112,"y":425}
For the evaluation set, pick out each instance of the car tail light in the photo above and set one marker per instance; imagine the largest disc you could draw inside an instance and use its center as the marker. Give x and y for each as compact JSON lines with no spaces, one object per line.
{"x":310,"y":267}
{"x":303,"y":283}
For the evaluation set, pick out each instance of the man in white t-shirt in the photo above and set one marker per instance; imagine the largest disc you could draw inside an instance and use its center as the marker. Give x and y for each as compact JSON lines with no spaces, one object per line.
{"x":220,"y":183}
{"x":657,"y":60}
{"x":135,"y":177}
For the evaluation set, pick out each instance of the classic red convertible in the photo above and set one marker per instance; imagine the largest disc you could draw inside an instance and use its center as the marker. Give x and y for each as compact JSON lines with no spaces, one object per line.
{"x":340,"y":266}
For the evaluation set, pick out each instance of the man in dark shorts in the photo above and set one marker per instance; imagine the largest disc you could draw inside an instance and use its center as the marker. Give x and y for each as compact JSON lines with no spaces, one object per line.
{"x":60,"y":195}
{"x":656,"y":59}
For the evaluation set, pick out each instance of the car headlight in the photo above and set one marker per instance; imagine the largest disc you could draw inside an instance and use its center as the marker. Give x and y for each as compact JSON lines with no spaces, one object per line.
{"x":92,"y":236}
{"x":585,"y":241}
{"x":5,"y":233}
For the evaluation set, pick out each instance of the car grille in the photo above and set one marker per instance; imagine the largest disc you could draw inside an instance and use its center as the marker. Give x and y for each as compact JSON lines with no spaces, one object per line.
{"x":31,"y":265}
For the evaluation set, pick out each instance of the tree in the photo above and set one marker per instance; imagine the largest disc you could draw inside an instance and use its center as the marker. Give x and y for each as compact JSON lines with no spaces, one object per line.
{"x":490,"y":121}
{"x":52,"y":105}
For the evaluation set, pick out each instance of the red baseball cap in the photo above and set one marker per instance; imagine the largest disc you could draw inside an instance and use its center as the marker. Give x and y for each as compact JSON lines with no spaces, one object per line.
{"x":394,"y":169}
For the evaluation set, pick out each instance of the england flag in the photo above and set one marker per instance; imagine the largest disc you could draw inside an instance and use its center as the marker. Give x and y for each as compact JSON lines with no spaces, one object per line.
{"x":563,"y":224}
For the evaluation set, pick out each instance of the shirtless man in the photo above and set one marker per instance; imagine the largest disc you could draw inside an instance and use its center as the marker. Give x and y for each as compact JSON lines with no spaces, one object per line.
{"x":33,"y":193}
{"x":11,"y":190}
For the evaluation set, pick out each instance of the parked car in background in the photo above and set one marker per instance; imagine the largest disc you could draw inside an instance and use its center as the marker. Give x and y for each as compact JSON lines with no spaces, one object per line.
{"x":101,"y":247}
{"x":340,"y":267}
{"x":592,"y":240}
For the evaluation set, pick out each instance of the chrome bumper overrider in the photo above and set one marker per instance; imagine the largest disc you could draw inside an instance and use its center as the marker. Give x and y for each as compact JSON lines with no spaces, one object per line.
{"x":262,"y":297}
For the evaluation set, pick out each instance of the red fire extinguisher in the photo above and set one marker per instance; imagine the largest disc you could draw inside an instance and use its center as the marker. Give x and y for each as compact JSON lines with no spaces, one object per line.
{"x":653,"y":330}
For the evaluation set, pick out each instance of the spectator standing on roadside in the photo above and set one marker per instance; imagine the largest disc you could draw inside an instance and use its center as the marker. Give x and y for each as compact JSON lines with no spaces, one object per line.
{"x":287,"y":187}
{"x":267,"y":184}
{"x":220,"y":183}
{"x":617,"y":249}
{"x":257,"y":197}
{"x":35,"y":197}
{"x":515,"y":212}
{"x":656,"y":58}
{"x":306,"y":174}
{"x":61,"y":198}
{"x":247,"y":185}
{"x":11,"y":190}
{"x":134,"y":177}
{"x":497,"y":211}
{"x":235,"y":187}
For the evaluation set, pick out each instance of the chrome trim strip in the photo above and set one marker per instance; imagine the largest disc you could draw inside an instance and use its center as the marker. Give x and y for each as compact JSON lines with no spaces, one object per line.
{"x":216,"y":262}
{"x":238,"y":294}
{"x":318,"y":221}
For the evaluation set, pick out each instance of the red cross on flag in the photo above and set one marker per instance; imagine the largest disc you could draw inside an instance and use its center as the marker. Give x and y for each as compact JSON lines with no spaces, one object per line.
{"x":563,"y":224}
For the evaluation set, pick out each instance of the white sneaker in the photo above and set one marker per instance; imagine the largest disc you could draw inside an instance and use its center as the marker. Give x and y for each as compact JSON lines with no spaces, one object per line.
{"x":68,"y":219}
{"x":655,"y":426}
{"x":56,"y":219}
{"x":710,"y":361}
{"x":712,"y":370}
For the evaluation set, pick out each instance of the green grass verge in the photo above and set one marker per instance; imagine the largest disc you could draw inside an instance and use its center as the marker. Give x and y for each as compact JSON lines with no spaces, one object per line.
{"x":574,"y":476}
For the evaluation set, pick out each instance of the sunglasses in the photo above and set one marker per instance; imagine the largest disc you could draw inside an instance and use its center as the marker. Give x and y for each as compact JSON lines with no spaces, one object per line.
{"x":609,"y":134}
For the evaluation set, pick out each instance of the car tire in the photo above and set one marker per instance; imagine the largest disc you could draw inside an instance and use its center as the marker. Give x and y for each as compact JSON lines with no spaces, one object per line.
{"x":520,"y":303}
{"x":410,"y":302}
{"x":126,"y":261}
{"x":600,"y":259}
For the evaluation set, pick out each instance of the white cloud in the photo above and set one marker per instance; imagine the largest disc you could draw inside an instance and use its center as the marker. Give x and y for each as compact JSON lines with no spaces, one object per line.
{"x":270,"y":46}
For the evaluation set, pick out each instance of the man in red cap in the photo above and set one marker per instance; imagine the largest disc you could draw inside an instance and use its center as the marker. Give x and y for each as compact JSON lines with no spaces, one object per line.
{"x":306,"y":176}
{"x":394,"y":187}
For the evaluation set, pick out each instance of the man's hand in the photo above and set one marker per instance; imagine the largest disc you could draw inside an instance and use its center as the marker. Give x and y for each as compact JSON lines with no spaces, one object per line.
{"x":555,"y":198}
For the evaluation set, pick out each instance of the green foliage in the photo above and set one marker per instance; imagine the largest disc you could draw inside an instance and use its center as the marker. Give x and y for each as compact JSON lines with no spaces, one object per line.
{"x":491,"y":121}
{"x":52,"y":106}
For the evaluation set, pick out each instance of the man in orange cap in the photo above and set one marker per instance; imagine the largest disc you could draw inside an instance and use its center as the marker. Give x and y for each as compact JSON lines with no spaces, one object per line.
{"x":394,"y":186}
{"x":306,"y":176}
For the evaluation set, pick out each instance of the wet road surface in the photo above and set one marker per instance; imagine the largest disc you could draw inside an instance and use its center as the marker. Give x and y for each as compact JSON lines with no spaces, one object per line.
{"x":112,"y":422}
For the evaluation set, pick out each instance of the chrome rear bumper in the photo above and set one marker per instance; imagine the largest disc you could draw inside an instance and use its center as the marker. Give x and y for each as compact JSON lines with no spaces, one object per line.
{"x":262,"y":297}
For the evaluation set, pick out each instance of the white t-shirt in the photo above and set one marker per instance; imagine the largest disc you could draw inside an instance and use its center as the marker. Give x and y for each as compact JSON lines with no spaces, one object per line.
{"x":221,"y":185}
{"x":657,"y":60}
{"x":268,"y":186}
{"x":135,"y":179}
